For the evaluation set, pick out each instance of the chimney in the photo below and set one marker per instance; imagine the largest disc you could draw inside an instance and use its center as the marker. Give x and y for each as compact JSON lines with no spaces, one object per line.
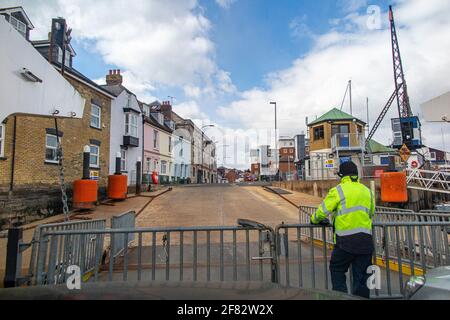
{"x":114,"y":78}
{"x":166,"y":109}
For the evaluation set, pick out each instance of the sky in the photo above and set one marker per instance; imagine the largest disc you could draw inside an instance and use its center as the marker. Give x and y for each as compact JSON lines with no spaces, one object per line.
{"x":223,"y":61}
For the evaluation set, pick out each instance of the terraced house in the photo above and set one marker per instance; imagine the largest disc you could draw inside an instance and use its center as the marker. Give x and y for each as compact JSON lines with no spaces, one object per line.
{"x":158,"y":144}
{"x":29,"y":170}
{"x":126,"y":127}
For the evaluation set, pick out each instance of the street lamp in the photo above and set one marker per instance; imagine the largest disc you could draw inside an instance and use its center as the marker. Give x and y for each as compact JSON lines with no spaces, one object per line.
{"x":203,"y":134}
{"x":276,"y":142}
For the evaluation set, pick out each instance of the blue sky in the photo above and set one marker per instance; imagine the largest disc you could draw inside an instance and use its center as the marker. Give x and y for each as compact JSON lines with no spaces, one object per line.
{"x":225,"y":60}
{"x":252,"y":37}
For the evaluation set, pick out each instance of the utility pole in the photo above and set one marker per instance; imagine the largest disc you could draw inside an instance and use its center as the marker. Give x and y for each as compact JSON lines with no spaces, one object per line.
{"x":202,"y":149}
{"x":276,"y":143}
{"x":350,"y":95}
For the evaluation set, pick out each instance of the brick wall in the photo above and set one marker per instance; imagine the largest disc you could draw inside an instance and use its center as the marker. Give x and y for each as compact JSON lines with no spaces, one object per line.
{"x":32,"y":176}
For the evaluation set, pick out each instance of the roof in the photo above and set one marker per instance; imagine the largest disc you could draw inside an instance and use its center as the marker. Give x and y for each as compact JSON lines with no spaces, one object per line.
{"x":18,"y":9}
{"x":116,"y":89}
{"x":151,"y":120}
{"x":78,"y":75}
{"x":376,"y":147}
{"x":334,"y":115}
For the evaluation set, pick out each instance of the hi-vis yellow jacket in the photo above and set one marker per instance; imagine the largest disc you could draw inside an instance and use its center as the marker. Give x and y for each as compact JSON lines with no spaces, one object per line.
{"x":350,"y":206}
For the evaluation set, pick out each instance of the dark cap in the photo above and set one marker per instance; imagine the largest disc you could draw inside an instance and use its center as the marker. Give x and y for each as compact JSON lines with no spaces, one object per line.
{"x":348,"y":168}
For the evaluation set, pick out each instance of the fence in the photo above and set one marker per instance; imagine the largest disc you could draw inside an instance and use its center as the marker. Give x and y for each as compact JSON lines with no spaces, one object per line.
{"x":290,"y":255}
{"x":118,"y":242}
{"x":221,"y":253}
{"x":397,"y":257}
{"x":80,"y":250}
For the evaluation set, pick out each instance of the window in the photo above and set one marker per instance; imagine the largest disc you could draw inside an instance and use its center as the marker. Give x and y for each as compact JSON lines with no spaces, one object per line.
{"x":18,"y":25}
{"x":95,"y":156}
{"x":384,"y":160}
{"x":131,"y":125}
{"x":433,"y":155}
{"x":319,"y":133}
{"x":170,"y":144}
{"x":96,"y":116}
{"x":163,"y":167}
{"x":155,"y":139}
{"x":180,"y":142}
{"x":123,"y":159}
{"x":148,"y":164}
{"x":2,"y":140}
{"x":51,"y":146}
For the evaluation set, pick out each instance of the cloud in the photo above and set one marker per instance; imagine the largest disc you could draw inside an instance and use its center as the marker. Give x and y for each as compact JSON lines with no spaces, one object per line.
{"x":352,"y":5}
{"x":299,"y":27}
{"x":225,"y":3}
{"x":315,"y":83}
{"x":166,"y":43}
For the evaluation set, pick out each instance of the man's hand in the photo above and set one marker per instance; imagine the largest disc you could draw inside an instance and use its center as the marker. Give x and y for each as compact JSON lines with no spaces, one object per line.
{"x":325,"y":222}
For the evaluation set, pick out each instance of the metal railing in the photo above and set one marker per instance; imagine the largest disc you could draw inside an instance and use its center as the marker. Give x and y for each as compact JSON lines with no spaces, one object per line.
{"x":348,"y":141}
{"x":305,"y":256}
{"x":125,"y":220}
{"x":236,"y":253}
{"x":78,"y":250}
{"x":383,"y":215}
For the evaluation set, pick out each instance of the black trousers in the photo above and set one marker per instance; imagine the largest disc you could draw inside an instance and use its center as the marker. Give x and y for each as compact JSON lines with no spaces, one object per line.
{"x":340,"y":262}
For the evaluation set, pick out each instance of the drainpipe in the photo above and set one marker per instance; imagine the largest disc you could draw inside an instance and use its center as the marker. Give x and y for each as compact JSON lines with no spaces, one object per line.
{"x":13,"y":157}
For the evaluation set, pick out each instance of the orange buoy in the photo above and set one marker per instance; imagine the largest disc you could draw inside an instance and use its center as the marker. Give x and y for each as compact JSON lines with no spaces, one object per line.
{"x":117,"y":187}
{"x":394,"y":187}
{"x":84,"y":194}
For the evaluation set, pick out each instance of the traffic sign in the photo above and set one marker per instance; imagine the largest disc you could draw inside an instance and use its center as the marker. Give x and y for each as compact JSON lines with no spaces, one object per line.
{"x":329,"y":163}
{"x":405,"y":153}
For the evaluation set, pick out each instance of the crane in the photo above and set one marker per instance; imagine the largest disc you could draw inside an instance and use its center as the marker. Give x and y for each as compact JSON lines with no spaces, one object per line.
{"x":407,"y":128}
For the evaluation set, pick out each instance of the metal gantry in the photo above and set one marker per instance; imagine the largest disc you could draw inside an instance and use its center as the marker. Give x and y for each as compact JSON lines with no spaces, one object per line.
{"x":428,"y":180}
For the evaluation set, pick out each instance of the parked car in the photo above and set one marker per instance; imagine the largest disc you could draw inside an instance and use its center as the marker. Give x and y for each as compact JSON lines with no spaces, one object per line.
{"x":435,"y":285}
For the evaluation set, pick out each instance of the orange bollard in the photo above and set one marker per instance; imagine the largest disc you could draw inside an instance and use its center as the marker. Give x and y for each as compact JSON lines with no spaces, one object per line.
{"x":117,"y":187}
{"x":393,"y":187}
{"x":84,"y":194}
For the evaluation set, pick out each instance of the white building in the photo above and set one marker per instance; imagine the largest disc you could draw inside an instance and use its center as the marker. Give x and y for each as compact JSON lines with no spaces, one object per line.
{"x":126,"y":127}
{"x":181,"y":156}
{"x":28,"y":83}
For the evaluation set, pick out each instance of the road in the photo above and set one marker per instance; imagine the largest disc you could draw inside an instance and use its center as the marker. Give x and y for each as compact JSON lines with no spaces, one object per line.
{"x":220,"y":205}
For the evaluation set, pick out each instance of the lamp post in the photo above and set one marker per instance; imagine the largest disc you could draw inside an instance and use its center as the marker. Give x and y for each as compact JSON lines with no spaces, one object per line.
{"x":276,"y":143}
{"x":201,"y":148}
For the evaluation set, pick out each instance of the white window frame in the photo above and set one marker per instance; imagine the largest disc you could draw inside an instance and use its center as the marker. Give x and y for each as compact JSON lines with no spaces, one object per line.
{"x":123,"y":160}
{"x":163,"y":167}
{"x":97,"y":154}
{"x":52,"y":148}
{"x":131,"y":127}
{"x":2,"y":140}
{"x":99,"y":116}
{"x":155,"y":139}
{"x":17,"y":24}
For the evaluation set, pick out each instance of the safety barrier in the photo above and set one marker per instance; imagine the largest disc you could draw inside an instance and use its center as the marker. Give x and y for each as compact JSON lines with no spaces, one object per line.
{"x":300,"y":249}
{"x":82,"y":251}
{"x":223,"y":253}
{"x":125,"y":220}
